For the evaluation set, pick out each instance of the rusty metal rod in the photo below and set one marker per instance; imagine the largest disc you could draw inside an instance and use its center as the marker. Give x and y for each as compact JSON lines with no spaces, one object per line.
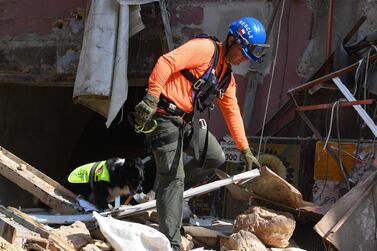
{"x":327,"y":106}
{"x":329,"y":27}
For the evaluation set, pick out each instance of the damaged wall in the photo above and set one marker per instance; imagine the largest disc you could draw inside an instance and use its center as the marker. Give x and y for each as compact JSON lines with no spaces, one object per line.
{"x":40,"y":44}
{"x":345,"y":16}
{"x":40,"y":39}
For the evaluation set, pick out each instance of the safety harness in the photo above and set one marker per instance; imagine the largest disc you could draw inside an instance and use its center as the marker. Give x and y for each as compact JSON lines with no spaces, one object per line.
{"x":204,"y":91}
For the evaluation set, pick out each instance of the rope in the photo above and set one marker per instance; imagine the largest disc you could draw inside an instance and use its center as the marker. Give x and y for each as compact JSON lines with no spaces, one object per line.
{"x":331,"y":120}
{"x":272,"y":77}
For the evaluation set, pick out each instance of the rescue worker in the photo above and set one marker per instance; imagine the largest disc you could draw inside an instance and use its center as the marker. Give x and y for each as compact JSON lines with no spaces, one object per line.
{"x":183,"y":83}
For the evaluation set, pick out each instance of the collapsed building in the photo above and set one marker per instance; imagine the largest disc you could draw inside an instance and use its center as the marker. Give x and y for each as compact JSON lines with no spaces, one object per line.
{"x":321,"y":59}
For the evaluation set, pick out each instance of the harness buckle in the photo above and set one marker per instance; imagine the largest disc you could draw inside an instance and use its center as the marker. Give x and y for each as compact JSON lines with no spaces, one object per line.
{"x":221,"y":94}
{"x":198,"y":83}
{"x":172,"y":107}
{"x":203,"y":123}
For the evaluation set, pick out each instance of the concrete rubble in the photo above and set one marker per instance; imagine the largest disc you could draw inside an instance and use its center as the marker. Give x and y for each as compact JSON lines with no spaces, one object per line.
{"x":243,"y":240}
{"x":272,"y":227}
{"x":268,"y":223}
{"x":258,"y":228}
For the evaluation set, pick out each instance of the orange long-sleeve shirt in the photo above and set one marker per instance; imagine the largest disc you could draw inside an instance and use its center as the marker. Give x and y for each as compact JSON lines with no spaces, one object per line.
{"x":196,"y":55}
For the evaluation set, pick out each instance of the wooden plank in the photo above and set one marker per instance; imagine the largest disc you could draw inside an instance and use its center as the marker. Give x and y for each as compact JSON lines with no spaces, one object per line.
{"x":167,"y":28}
{"x":35,"y":182}
{"x":8,"y":233}
{"x":55,"y":240}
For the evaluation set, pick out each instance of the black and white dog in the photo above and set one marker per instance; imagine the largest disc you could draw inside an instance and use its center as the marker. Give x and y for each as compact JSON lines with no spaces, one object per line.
{"x":101,"y":182}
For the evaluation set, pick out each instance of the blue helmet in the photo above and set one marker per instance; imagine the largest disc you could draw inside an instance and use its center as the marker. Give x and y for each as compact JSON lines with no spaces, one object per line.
{"x":251,"y":35}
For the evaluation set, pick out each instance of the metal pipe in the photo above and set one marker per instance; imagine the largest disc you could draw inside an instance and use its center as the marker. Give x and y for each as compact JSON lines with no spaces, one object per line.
{"x":329,"y":27}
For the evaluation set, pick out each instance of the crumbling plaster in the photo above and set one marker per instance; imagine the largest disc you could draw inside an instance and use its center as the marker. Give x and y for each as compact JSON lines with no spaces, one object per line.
{"x":346,"y":14}
{"x":213,"y":17}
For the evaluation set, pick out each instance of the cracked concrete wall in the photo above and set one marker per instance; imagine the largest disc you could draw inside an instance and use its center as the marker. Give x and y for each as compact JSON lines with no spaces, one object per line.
{"x":41,"y":37}
{"x":346,"y":14}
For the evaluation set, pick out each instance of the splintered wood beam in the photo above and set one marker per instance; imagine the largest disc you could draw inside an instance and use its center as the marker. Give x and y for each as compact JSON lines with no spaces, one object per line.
{"x":55,"y":241}
{"x":35,"y":182}
{"x":8,"y":232}
{"x":327,"y":106}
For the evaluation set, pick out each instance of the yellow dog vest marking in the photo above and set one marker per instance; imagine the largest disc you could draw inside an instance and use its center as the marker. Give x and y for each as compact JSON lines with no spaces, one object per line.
{"x":82,"y":173}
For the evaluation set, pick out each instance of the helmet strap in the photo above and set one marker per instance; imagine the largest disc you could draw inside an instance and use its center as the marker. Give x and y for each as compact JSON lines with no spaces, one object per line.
{"x":227,"y":46}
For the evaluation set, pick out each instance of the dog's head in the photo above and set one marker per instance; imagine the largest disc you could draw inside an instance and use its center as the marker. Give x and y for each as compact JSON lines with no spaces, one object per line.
{"x":126,"y":172}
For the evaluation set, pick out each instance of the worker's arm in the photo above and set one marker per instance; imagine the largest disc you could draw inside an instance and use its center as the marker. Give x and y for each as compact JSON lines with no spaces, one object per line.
{"x":232,"y":115}
{"x":196,"y":53}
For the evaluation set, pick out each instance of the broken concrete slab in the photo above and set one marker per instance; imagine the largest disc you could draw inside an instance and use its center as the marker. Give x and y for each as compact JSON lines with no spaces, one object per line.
{"x":76,"y":234}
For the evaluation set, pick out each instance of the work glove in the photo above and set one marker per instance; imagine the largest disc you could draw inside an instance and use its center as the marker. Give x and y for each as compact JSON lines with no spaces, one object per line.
{"x":145,"y":110}
{"x":249,"y":159}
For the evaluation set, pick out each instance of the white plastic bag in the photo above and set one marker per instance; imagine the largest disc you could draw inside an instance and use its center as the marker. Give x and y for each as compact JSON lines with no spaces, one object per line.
{"x":125,"y":236}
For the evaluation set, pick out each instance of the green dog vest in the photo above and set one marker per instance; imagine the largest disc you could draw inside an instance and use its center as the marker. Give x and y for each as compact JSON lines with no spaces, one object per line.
{"x":82,"y":173}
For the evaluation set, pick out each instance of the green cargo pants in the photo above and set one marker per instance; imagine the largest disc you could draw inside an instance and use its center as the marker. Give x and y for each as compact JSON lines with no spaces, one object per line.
{"x":171,"y":137}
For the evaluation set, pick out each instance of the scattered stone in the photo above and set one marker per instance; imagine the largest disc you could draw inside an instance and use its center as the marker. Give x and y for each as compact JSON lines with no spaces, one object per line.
{"x":243,"y":241}
{"x":76,"y":234}
{"x":272,"y":227}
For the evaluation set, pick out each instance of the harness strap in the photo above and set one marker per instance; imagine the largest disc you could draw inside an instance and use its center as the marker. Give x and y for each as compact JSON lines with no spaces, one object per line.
{"x":92,"y":174}
{"x":189,"y":76}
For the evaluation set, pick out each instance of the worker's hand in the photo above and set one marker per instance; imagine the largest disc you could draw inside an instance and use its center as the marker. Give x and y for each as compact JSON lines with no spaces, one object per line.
{"x":145,"y":110}
{"x":148,"y":197}
{"x":250,"y":159}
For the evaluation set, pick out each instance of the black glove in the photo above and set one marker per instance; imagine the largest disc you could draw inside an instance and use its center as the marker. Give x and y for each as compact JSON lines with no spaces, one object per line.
{"x":145,"y":110}
{"x":250,"y":159}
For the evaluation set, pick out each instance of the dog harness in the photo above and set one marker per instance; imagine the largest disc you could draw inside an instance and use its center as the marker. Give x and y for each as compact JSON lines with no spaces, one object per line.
{"x":89,"y":173}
